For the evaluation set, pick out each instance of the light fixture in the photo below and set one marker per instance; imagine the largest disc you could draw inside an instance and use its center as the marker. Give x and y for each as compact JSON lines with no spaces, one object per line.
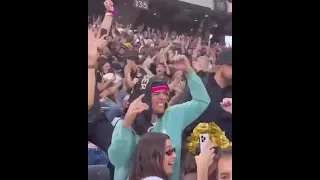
{"x":195,"y":20}
{"x":154,"y":14}
{"x":206,"y":15}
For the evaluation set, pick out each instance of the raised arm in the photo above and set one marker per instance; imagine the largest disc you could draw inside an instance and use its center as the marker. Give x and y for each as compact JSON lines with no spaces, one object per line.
{"x":93,"y":54}
{"x":91,"y":86}
{"x":124,"y":140}
{"x":127,"y":76}
{"x":107,"y":20}
{"x":191,"y":110}
{"x":122,"y":145}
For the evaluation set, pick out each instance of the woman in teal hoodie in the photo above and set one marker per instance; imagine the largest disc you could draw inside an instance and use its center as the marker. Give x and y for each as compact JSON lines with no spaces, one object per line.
{"x":171,"y":120}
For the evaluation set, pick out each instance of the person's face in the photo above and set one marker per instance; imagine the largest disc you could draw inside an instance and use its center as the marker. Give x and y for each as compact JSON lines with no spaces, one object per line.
{"x":203,"y":63}
{"x":169,"y":158}
{"x":226,"y":73}
{"x":106,"y":67}
{"x":159,"y":99}
{"x":160,"y":69}
{"x":180,"y":86}
{"x":225,"y":168}
{"x":170,"y":51}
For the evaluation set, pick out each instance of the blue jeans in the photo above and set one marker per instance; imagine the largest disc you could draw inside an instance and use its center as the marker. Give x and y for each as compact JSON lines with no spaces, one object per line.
{"x":112,"y":109}
{"x":97,"y":157}
{"x":121,"y":96}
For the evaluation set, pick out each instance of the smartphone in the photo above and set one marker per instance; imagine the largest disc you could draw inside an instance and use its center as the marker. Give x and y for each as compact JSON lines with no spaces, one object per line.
{"x":204,"y":140}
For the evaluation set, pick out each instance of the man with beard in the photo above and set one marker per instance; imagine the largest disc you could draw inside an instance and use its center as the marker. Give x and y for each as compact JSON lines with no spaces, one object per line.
{"x":219,"y":86}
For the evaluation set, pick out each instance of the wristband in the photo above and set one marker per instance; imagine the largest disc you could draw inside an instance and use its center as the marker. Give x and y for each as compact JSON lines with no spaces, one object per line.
{"x":114,"y":12}
{"x":91,"y":66}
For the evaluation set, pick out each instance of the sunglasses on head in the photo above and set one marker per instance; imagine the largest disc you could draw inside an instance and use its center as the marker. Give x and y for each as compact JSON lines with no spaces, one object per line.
{"x":171,"y":151}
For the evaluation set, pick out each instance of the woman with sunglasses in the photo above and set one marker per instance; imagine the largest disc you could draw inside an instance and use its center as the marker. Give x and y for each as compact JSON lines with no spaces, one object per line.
{"x":154,"y":157}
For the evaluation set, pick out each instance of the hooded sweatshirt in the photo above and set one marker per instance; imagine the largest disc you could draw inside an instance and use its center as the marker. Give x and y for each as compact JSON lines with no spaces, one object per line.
{"x":172,"y":122}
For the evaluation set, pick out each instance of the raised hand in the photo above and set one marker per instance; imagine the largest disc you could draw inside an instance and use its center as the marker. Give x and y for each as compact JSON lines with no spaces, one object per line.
{"x":226,"y":104}
{"x":94,"y":44}
{"x":182,"y":63}
{"x":205,"y":159}
{"x":135,"y":108}
{"x":108,"y":4}
{"x":196,"y":66}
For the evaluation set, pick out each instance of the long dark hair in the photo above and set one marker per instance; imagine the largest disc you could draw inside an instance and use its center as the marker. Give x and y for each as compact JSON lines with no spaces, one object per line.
{"x":149,"y":156}
{"x":101,"y":62}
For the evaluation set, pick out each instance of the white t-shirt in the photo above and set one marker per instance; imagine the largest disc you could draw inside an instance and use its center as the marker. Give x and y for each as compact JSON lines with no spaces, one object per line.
{"x":109,"y":76}
{"x":152,"y":178}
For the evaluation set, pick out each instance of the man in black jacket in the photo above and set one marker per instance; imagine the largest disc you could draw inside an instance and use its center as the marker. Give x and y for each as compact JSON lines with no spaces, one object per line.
{"x":219,"y":86}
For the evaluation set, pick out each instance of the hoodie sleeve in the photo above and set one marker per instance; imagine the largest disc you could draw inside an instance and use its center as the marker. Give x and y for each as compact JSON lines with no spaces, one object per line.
{"x":191,"y":110}
{"x":122,"y":146}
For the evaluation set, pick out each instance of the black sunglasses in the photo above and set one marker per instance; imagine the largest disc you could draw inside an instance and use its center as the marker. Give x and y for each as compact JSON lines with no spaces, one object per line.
{"x":171,"y":151}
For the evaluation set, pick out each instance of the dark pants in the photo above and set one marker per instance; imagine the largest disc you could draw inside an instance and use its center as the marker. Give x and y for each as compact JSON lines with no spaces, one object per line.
{"x":111,"y":170}
{"x":100,"y":133}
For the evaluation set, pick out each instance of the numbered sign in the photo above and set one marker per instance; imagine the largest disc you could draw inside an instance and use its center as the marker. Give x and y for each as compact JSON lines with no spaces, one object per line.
{"x":220,"y":5}
{"x":141,"y":4}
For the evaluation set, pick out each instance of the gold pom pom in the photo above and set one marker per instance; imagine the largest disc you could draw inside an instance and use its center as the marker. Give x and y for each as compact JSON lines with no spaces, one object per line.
{"x":215,"y":133}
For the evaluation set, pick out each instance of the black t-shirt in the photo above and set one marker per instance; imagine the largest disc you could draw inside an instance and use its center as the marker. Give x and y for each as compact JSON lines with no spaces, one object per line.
{"x":140,"y":86}
{"x":214,"y":112}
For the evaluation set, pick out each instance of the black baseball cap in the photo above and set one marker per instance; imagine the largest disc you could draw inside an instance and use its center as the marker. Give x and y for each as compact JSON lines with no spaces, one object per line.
{"x":225,"y":57}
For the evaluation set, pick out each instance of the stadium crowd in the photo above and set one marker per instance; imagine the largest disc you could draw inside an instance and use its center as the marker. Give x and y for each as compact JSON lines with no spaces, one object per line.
{"x":159,"y":103}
